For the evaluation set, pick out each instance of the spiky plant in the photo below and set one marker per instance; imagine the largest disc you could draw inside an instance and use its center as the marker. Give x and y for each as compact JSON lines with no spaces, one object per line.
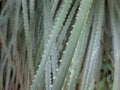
{"x":59,"y":44}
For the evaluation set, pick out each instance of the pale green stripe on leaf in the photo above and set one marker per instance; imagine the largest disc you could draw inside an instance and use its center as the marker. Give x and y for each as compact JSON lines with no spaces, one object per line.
{"x":51,"y":42}
{"x":28,"y":40}
{"x":94,"y":46}
{"x":66,"y":27}
{"x":77,"y":59}
{"x":70,"y":48}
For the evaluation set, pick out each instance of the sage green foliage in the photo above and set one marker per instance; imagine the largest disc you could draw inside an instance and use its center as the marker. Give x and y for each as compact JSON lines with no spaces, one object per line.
{"x":59,"y":45}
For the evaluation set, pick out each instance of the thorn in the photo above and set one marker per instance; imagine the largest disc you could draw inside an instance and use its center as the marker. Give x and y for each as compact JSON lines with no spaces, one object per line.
{"x":31,"y":86}
{"x":51,"y":86}
{"x":50,"y":36}
{"x":68,"y":84}
{"x":42,"y":54}
{"x":73,"y":27}
{"x":54,"y":78}
{"x":60,"y":60}
{"x":38,"y":66}
{"x":77,"y":14}
{"x":57,"y":69}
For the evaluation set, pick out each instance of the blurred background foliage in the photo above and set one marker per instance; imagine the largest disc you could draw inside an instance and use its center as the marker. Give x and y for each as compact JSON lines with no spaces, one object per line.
{"x":59,"y":44}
